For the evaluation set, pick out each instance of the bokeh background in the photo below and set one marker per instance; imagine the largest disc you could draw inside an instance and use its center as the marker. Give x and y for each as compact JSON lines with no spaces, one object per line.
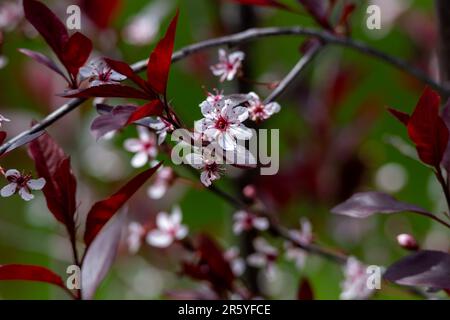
{"x":336,"y":138}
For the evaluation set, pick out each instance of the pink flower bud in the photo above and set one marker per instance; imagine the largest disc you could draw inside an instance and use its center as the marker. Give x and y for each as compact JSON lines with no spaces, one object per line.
{"x":249,"y":191}
{"x":407,"y":241}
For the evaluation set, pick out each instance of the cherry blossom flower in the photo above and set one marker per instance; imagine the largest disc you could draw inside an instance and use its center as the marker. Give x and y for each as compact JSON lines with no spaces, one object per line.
{"x":264,"y":256}
{"x":354,"y":287}
{"x":304,"y":236}
{"x":258,"y":111}
{"x":165,"y":177}
{"x":169,"y":229}
{"x":161,"y":127}
{"x":21,"y":184}
{"x":246,"y":221}
{"x":10,"y":15}
{"x":98,"y":72}
{"x":136,"y":232}
{"x":237,"y":264}
{"x":223,"y":123}
{"x":211,"y":170}
{"x":3,"y":119}
{"x":216,"y":97}
{"x":145,"y":147}
{"x":228,"y":65}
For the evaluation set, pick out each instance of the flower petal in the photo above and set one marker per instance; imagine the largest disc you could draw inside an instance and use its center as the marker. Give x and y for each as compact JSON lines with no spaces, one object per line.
{"x":36,"y":184}
{"x":159,"y":239}
{"x":139,"y":160}
{"x":8,"y":190}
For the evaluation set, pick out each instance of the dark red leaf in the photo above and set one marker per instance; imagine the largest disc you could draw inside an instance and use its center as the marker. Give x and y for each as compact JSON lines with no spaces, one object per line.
{"x":100,"y":255}
{"x":125,"y":69}
{"x":108,"y":91}
{"x":264,"y":3}
{"x":446,"y":118}
{"x":102,"y":211}
{"x":158,"y":66}
{"x":30,"y":273}
{"x":2,"y":136}
{"x":43,"y":59}
{"x":305,"y":291}
{"x":75,"y":53}
{"x":113,"y":120}
{"x":60,"y":188}
{"x":424,"y":268}
{"x":365,"y":204}
{"x":427,"y":129}
{"x":403,"y":117}
{"x":153,"y":108}
{"x":101,"y":12}
{"x":47,"y":24}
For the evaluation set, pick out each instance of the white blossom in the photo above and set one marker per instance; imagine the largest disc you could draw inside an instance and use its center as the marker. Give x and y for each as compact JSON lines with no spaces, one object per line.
{"x":136,"y":233}
{"x":98,"y":72}
{"x":228,"y":65}
{"x":161,"y":127}
{"x":264,"y":256}
{"x":258,"y":111}
{"x":169,"y":229}
{"x":163,"y":180}
{"x":354,"y":286}
{"x":303,"y":236}
{"x":237,"y":264}
{"x":21,"y":184}
{"x":144,"y":147}
{"x":246,"y":221}
{"x":209,"y":166}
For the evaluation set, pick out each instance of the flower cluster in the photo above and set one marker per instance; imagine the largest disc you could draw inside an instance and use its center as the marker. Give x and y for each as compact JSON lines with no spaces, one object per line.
{"x":354,"y":286}
{"x":97,"y":72}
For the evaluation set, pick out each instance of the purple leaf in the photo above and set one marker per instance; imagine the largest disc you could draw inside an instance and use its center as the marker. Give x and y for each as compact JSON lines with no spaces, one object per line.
{"x":108,"y":91}
{"x":424,"y":268}
{"x":113,"y":120}
{"x":365,"y":204}
{"x":44,"y":60}
{"x":446,"y":117}
{"x":100,"y":256}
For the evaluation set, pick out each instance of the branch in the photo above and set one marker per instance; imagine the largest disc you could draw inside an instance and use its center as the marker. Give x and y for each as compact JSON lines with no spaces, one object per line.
{"x":238,"y":38}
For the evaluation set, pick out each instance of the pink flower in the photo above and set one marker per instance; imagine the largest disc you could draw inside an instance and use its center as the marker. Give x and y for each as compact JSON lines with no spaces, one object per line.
{"x":214,"y":98}
{"x":258,"y":111}
{"x":237,"y":264}
{"x":264,"y":256}
{"x":169,"y":229}
{"x":211,"y":170}
{"x":3,"y":119}
{"x":136,"y":233}
{"x":98,"y":72}
{"x":145,"y":147}
{"x":407,"y":242}
{"x":355,"y":286}
{"x":161,"y":127}
{"x":223,"y":123}
{"x":22,"y":184}
{"x":246,"y":221}
{"x":228,"y":65}
{"x":163,"y":180}
{"x":304,"y":236}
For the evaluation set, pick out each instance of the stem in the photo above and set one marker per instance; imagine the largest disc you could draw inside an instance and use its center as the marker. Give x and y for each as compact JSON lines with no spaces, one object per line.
{"x":444,"y":186}
{"x":238,"y":38}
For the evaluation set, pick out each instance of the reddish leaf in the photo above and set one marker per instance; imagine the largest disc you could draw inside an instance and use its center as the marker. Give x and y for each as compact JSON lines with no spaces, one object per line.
{"x":108,"y":91}
{"x":125,"y":69}
{"x":100,"y":256}
{"x":400,"y":116}
{"x":305,"y":291}
{"x":427,"y":129}
{"x":76,"y":52}
{"x":158,"y":66}
{"x":102,"y":211}
{"x":424,"y":268}
{"x":47,"y":24}
{"x":60,"y":188}
{"x":113,"y":120}
{"x":265,"y":3}
{"x":153,"y":108}
{"x":43,"y":59}
{"x":30,"y":273}
{"x":101,"y":12}
{"x":2,"y":136}
{"x":365,"y":204}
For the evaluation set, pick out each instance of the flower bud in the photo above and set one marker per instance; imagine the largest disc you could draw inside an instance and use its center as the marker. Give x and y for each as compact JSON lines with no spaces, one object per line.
{"x":407,"y":241}
{"x":249,"y":191}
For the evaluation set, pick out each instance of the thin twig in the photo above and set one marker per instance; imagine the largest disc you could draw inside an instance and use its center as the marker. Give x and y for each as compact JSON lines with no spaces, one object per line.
{"x":238,"y":38}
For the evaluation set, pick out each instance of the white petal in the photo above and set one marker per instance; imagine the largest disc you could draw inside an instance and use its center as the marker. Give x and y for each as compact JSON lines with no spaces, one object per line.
{"x":157,"y":190}
{"x":261,"y":223}
{"x":115,"y":76}
{"x":226,"y":141}
{"x":133,"y":145}
{"x":241,"y":132}
{"x":272,"y":108}
{"x":241,"y":113}
{"x":139,"y":160}
{"x":36,"y":184}
{"x":158,"y":238}
{"x":205,"y":179}
{"x":195,"y":160}
{"x":176,"y":215}
{"x":236,"y":56}
{"x":257,"y":260}
{"x":23,"y":192}
{"x":164,"y":221}
{"x":12,"y":173}
{"x":86,"y":73}
{"x":8,"y":190}
{"x":181,"y":232}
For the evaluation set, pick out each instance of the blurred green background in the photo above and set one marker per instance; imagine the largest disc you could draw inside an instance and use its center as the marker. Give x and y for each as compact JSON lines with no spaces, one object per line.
{"x":29,"y":234}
